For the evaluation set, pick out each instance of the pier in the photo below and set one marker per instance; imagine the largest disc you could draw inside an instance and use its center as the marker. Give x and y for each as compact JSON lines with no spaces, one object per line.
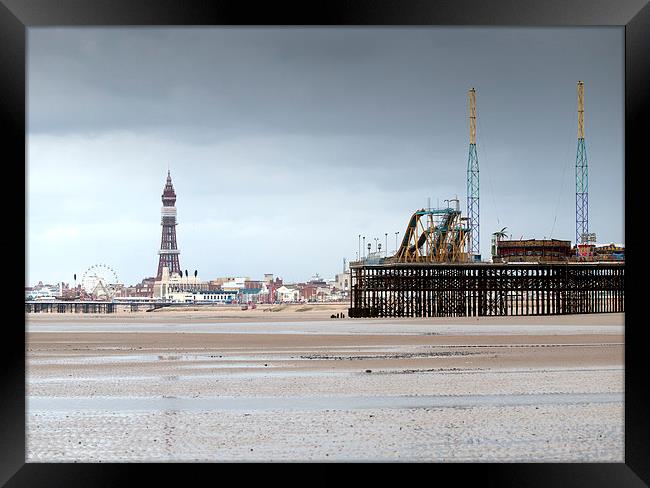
{"x":485,"y":289}
{"x":96,"y":307}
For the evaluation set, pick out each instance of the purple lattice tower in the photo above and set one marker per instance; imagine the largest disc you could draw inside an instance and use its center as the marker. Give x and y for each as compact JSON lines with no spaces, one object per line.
{"x":168,"y":250}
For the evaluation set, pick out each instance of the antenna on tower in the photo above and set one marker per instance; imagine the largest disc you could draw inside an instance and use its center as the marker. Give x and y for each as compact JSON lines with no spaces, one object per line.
{"x":473,"y":241}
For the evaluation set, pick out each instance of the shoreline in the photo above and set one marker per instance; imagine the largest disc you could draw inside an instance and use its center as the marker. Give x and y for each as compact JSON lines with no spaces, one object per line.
{"x":302,"y":313}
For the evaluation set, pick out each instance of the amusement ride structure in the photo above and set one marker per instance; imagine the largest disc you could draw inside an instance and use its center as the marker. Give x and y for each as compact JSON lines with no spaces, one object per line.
{"x":582,"y":175}
{"x":433,"y":236}
{"x":99,"y":281}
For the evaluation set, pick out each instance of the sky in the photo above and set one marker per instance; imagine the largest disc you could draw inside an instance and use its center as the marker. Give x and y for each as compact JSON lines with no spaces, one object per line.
{"x":286,"y":144}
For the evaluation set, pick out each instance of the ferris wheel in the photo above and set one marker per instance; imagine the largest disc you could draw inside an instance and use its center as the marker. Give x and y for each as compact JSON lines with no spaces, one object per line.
{"x":99,"y":279}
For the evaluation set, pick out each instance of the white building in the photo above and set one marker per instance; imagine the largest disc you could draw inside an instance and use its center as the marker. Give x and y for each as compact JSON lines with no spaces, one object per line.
{"x":342,"y":281}
{"x":286,"y":294}
{"x":203,"y":296}
{"x":238,"y":283}
{"x":44,"y":292}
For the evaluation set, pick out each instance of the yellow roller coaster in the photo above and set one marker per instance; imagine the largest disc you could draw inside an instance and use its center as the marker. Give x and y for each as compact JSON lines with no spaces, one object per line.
{"x":433,"y":236}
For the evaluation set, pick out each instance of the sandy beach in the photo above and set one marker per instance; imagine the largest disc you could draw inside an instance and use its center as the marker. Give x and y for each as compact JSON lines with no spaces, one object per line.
{"x":294,"y":384}
{"x":292,"y":313}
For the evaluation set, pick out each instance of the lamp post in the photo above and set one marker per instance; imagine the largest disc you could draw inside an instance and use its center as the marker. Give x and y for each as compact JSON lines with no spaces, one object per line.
{"x":359,"y":253}
{"x":386,"y":246}
{"x":364,"y":248}
{"x":376,"y":239}
{"x":396,"y":233}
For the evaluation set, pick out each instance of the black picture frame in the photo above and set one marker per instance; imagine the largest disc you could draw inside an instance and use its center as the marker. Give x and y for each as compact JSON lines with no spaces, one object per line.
{"x":17,"y":15}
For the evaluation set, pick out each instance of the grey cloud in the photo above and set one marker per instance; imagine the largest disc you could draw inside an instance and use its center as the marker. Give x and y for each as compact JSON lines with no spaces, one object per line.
{"x":357,"y":126}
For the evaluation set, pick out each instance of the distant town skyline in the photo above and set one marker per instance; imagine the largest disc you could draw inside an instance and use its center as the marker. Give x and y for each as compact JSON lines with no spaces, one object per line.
{"x":285,"y":144}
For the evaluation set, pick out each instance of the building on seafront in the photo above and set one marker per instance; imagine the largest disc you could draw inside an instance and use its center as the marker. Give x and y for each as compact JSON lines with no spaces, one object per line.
{"x":177,"y":283}
{"x":600,"y":252}
{"x":287,"y":294}
{"x":553,"y":250}
{"x":203,"y":296}
{"x":535,"y":250}
{"x":144,"y":289}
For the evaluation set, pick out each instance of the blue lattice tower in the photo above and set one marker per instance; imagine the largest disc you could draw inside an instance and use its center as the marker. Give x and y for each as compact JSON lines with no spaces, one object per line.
{"x":582,"y":180}
{"x":473,"y":240}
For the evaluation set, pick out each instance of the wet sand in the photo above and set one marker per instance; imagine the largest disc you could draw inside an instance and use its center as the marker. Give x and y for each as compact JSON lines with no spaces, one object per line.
{"x":175,"y":387}
{"x":293,"y":313}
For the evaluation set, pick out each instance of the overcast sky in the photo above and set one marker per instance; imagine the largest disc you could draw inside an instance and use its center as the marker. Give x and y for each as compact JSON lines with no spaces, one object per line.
{"x":285,"y":144}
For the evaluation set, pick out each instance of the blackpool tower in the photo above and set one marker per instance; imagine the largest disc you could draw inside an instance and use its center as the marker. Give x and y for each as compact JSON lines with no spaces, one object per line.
{"x":168,"y":250}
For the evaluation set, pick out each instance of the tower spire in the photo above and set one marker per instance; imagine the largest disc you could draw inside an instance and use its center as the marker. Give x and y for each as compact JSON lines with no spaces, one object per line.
{"x":471,"y":101}
{"x":473,"y":241}
{"x":581,"y":110}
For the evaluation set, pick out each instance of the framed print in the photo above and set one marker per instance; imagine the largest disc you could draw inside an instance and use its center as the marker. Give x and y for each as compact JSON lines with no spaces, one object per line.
{"x":359,"y":233}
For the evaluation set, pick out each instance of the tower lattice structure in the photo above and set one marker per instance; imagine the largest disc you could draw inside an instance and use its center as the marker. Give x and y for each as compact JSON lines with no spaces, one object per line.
{"x":473,"y":240}
{"x":582,"y":181}
{"x":168,"y":254}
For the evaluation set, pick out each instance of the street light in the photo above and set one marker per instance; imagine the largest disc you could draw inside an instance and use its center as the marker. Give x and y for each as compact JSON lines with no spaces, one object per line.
{"x":376,"y":239}
{"x":364,"y":248}
{"x":386,"y":247}
{"x":396,"y":233}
